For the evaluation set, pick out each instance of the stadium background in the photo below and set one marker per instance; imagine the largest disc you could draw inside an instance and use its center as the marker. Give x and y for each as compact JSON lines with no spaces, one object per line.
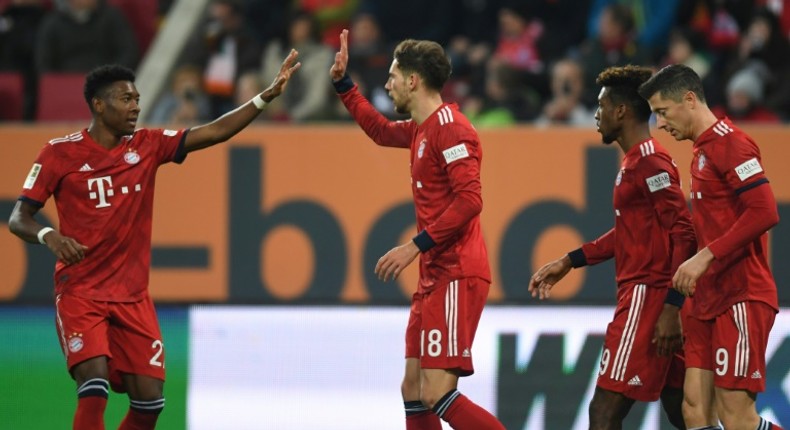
{"x":263,"y":251}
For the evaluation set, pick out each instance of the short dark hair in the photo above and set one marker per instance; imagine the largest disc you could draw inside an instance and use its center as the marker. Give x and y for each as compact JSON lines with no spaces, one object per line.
{"x":102,"y":77}
{"x":672,"y":82}
{"x":427,"y":59}
{"x":623,"y":83}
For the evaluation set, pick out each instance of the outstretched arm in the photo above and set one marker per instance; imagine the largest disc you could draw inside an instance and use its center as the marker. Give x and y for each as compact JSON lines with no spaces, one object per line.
{"x":226,"y":126}
{"x":397,"y":134}
{"x":590,"y":253}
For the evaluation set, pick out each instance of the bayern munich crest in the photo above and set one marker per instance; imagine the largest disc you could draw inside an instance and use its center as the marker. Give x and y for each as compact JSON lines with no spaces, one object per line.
{"x":76,"y":343}
{"x":701,"y":162}
{"x":131,"y":157}
{"x":421,"y":149}
{"x":619,"y":178}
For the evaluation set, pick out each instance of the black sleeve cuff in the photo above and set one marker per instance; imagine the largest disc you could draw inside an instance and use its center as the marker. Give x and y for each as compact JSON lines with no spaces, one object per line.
{"x":344,"y":85}
{"x":31,"y":202}
{"x":424,"y":241}
{"x":577,"y":258}
{"x":675,"y":298}
{"x":181,"y":153}
{"x":754,"y":184}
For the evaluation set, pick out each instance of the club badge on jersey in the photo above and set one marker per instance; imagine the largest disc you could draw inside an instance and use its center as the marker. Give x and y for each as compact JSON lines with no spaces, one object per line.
{"x":701,"y":162}
{"x":131,"y":157}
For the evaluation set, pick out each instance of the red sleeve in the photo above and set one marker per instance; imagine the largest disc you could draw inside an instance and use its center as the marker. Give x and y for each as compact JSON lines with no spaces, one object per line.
{"x":741,"y":163}
{"x":759,"y":215}
{"x":599,"y":250}
{"x":662,"y":187}
{"x":169,"y":144}
{"x":743,"y":172}
{"x":43,"y":178}
{"x":384,"y":132}
{"x":461,"y":161}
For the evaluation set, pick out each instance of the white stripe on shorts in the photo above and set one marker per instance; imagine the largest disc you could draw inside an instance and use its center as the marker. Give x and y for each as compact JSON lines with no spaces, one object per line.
{"x":742,"y":347}
{"x":629,"y":332}
{"x":63,"y":344}
{"x":451,"y":318}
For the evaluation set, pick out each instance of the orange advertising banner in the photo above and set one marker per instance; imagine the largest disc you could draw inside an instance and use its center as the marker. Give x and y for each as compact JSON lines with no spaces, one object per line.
{"x":301,"y":214}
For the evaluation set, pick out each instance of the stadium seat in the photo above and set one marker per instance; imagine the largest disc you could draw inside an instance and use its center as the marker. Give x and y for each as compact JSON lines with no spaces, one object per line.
{"x":60,"y":98}
{"x":46,"y":4}
{"x":12,"y":94}
{"x":143,"y":17}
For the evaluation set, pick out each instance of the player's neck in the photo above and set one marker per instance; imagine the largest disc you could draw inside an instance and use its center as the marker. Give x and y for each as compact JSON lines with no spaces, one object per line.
{"x":102,"y":136}
{"x":424,"y":106}
{"x":632,"y":136}
{"x":703,"y":120}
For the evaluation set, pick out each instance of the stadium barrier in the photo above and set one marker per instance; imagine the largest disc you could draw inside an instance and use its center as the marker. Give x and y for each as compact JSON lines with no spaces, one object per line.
{"x":332,"y":368}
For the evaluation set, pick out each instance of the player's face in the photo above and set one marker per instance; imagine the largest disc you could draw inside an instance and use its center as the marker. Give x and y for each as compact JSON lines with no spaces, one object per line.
{"x":396,"y":88}
{"x":120,"y":107}
{"x":605,"y":118}
{"x":671,"y":116}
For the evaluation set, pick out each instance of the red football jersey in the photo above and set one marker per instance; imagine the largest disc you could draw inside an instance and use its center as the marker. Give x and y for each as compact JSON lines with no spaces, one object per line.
{"x":104,"y":200}
{"x":445,"y":182}
{"x":652,"y":234}
{"x":726,"y":163}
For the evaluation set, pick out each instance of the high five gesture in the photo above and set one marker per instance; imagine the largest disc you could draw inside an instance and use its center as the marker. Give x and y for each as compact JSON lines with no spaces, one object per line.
{"x":338,"y":70}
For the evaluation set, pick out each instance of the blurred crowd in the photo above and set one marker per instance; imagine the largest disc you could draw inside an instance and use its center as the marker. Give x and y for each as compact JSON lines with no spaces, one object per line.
{"x":514,"y":61}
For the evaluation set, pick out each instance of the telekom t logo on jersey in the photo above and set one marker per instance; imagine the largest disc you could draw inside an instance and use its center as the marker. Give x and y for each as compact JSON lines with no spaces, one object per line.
{"x":103,"y":189}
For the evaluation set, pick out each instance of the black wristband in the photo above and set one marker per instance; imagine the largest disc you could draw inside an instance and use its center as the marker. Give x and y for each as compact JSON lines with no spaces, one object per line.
{"x":675,"y":298}
{"x":577,"y":258}
{"x":424,"y":241}
{"x":344,"y":85}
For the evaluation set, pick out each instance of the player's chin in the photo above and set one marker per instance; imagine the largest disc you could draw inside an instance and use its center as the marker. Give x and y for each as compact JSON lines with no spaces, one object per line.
{"x":674,"y":133}
{"x":606,"y":138}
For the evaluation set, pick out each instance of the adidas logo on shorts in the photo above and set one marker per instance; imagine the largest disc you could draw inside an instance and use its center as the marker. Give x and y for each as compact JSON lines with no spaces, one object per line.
{"x":466,"y":353}
{"x":635,"y":381}
{"x":757,"y":375}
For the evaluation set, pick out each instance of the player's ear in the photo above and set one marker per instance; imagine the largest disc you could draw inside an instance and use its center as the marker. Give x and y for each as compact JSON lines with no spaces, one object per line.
{"x":97,"y":104}
{"x":690,"y":98}
{"x":620,"y":110}
{"x":414,"y":80}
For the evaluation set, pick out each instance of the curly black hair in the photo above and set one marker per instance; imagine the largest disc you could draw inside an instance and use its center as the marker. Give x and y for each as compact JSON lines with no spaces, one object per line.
{"x":624,"y":83}
{"x":103,"y":76}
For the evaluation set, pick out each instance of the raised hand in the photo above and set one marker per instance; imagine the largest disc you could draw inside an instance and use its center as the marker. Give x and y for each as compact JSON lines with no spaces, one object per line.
{"x":338,"y":70}
{"x":281,"y":80}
